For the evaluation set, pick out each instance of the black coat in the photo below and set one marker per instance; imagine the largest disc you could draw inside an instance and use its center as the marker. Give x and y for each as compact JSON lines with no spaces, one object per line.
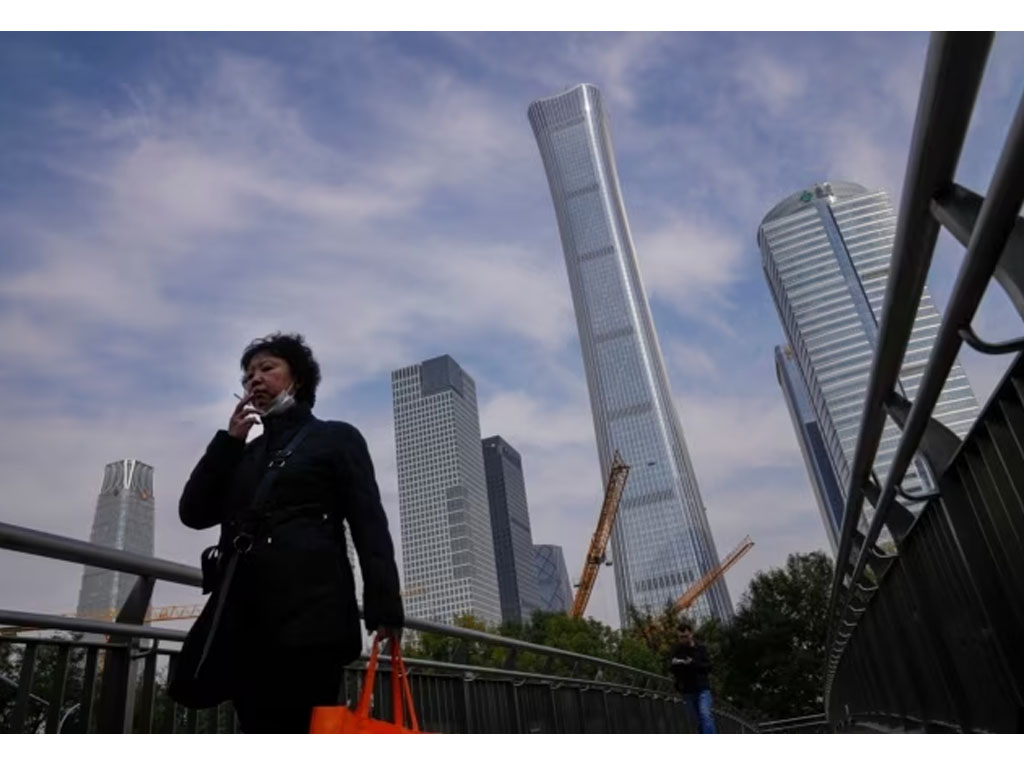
{"x":295,"y":588}
{"x":691,"y":677}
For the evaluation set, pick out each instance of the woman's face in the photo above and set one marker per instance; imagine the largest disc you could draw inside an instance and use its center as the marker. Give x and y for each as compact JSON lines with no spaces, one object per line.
{"x":266,"y":377}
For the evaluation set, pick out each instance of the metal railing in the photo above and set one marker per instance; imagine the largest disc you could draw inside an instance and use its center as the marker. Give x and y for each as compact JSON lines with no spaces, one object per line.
{"x":900,"y":623}
{"x":573,"y":693}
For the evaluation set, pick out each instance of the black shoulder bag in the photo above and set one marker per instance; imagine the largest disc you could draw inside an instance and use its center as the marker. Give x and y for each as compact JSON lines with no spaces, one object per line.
{"x":199,"y":676}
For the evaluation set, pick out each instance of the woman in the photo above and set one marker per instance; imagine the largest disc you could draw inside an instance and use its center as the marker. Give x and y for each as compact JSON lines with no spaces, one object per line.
{"x":282,"y":621}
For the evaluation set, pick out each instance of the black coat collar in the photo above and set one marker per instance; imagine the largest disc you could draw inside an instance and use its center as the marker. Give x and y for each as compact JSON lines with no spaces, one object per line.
{"x":279,"y":427}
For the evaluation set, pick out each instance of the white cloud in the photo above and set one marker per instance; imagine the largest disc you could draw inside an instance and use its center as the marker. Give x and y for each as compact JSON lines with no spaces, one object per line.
{"x":730,"y":436}
{"x":689,"y":263}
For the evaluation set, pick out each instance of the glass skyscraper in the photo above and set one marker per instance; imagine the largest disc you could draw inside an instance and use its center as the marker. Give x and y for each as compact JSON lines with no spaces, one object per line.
{"x":812,"y":445}
{"x":447,"y":547}
{"x":661,"y":543}
{"x":826,"y":253}
{"x":510,"y":525}
{"x":552,"y":578}
{"x":124,"y":520}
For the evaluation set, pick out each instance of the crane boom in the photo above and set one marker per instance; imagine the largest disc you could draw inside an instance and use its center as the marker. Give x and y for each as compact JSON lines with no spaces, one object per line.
{"x":599,"y":542}
{"x":690,"y":596}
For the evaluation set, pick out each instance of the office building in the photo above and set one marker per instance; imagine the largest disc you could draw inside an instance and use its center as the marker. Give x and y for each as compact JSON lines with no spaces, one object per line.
{"x":661,"y":543}
{"x":124,"y":520}
{"x":826,"y":251}
{"x":553,"y":583}
{"x":827,"y":493}
{"x":447,"y":546}
{"x":510,"y":525}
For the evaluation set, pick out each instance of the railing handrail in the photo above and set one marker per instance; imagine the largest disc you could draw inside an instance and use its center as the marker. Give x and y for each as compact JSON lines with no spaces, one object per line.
{"x":940,"y":127}
{"x":54,"y":546}
{"x":995,"y":222}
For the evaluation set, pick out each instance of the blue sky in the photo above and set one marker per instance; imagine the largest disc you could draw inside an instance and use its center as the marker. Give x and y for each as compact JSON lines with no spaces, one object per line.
{"x":166,"y":198}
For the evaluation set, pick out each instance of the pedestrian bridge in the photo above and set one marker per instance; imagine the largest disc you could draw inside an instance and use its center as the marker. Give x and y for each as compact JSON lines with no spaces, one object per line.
{"x":926,"y":630}
{"x":112,"y":685}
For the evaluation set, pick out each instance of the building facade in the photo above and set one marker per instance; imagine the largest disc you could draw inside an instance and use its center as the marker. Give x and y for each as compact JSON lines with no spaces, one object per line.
{"x":826,"y":252}
{"x":820,"y":472}
{"x":124,"y":520}
{"x":553,"y":583}
{"x":510,"y":525}
{"x":447,"y":545}
{"x":661,"y":542}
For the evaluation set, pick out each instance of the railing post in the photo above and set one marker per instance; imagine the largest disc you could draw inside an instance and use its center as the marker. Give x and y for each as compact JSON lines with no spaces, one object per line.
{"x":145,"y":719}
{"x":117,"y":699}
{"x":466,"y":696}
{"x":89,"y":687}
{"x":515,"y":706}
{"x":28,"y":669}
{"x":554,"y":709}
{"x":57,"y":692}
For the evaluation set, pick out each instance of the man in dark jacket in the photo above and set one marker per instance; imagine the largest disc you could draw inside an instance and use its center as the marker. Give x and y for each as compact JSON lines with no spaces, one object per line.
{"x":282,"y":621}
{"x":690,"y":667}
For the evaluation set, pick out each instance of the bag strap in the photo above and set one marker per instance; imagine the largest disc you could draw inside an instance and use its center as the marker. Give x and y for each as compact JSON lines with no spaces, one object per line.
{"x":277,"y":460}
{"x":399,"y":684}
{"x":400,"y":687}
{"x":366,"y":692}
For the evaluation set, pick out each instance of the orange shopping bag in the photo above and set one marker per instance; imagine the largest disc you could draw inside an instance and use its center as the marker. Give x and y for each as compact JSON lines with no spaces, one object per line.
{"x":344,"y":720}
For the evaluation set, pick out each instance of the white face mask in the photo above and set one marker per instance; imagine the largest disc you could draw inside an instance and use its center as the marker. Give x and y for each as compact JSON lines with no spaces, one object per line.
{"x":281,"y":403}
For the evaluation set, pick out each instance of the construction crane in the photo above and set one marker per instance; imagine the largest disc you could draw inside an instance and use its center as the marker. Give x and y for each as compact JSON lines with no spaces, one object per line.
{"x":155,"y":613}
{"x":599,"y":542}
{"x":689,"y":597}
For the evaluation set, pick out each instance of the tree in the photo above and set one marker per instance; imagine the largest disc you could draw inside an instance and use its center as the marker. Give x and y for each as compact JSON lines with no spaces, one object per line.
{"x":771,"y":658}
{"x":44,"y":682}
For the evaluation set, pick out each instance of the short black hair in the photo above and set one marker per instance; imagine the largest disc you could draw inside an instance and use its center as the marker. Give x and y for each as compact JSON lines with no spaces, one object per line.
{"x":291,"y":348}
{"x":685,"y":626}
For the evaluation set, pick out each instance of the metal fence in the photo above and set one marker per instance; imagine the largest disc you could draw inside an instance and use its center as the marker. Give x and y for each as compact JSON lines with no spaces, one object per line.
{"x":116,"y":685}
{"x":928,"y":637}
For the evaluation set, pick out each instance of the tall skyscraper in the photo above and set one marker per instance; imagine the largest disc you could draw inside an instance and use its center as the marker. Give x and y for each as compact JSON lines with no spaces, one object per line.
{"x":447,"y":547}
{"x":661,"y":543}
{"x":510,"y":525}
{"x":826,"y":253}
{"x":552,"y":578}
{"x":812,"y":445}
{"x":124,"y":520}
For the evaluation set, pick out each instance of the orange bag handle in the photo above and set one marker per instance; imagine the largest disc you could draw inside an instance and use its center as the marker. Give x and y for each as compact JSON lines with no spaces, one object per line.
{"x":400,"y":687}
{"x":399,"y":684}
{"x":363,"y":707}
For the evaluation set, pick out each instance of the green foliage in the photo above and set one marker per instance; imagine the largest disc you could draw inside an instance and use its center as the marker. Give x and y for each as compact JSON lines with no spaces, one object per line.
{"x":772,"y":656}
{"x":768,"y":662}
{"x":44,"y":683}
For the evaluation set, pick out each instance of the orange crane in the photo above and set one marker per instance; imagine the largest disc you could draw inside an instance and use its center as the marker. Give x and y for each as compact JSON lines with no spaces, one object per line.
{"x":599,"y":542}
{"x":155,"y":613}
{"x":689,"y":597}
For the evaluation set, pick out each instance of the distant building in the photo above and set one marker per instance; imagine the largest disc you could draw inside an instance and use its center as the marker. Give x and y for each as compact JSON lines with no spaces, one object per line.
{"x":661,"y":542}
{"x":510,"y":526}
{"x":447,"y":546}
{"x":553,"y":578}
{"x":826,"y":252}
{"x":823,"y":478}
{"x":124,"y":520}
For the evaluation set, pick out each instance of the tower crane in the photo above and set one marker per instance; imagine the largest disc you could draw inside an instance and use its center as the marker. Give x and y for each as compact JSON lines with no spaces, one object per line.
{"x":599,"y":542}
{"x":155,"y":613}
{"x":700,"y":586}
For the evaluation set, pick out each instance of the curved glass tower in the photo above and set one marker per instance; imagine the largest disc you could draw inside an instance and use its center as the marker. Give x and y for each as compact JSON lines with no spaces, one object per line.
{"x":826,"y":252}
{"x":661,"y":543}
